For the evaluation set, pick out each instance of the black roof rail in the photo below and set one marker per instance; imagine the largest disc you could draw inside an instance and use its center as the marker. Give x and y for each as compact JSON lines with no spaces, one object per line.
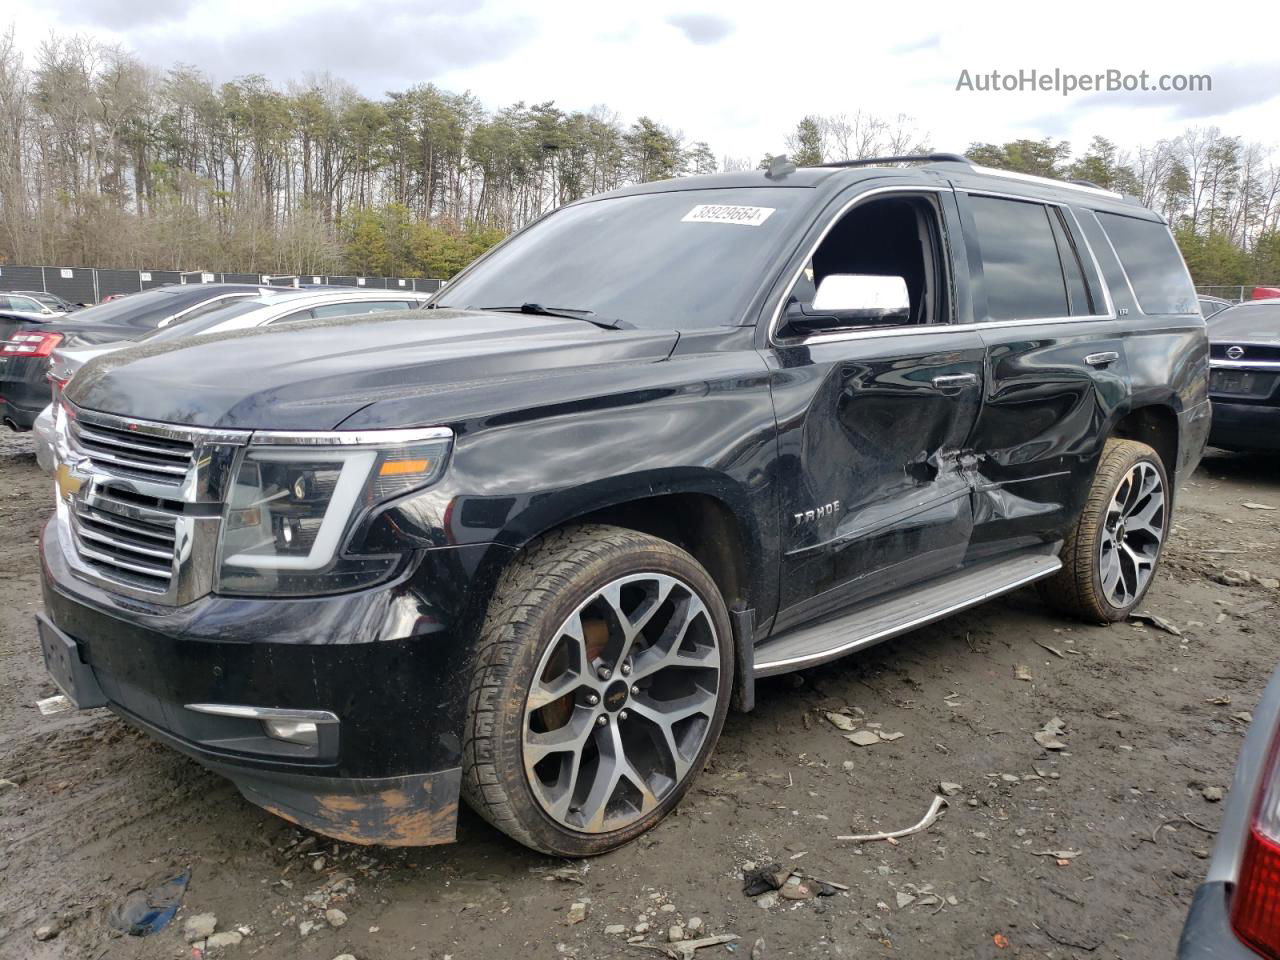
{"x":904,"y":158}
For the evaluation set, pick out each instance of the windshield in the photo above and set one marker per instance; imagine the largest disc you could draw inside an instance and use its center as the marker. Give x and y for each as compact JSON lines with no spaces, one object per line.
{"x":679,"y":260}
{"x":1248,"y":321}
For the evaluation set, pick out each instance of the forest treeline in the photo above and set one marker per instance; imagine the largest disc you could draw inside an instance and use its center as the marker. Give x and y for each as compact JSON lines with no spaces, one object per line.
{"x":107,"y":161}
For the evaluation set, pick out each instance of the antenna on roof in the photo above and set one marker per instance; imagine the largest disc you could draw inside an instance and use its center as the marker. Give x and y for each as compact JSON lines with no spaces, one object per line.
{"x":1085,"y":183}
{"x":779,"y":167}
{"x":904,"y":158}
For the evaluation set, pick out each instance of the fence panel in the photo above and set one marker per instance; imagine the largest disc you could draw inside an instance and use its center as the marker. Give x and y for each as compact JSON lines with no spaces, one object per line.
{"x":158,"y":278}
{"x":21,"y":278}
{"x":71,"y":283}
{"x":92,"y":285}
{"x":118,"y":282}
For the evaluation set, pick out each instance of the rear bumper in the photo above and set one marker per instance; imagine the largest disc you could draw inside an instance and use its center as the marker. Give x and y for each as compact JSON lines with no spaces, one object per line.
{"x":1245,"y":426}
{"x":1207,"y":934}
{"x":389,"y":663}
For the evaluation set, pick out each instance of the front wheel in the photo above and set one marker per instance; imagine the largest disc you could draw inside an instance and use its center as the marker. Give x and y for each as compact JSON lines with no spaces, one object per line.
{"x":1110,"y":556}
{"x":600,"y":684}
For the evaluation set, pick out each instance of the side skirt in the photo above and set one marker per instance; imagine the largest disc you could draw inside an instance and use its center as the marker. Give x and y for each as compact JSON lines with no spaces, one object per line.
{"x":902,"y":611}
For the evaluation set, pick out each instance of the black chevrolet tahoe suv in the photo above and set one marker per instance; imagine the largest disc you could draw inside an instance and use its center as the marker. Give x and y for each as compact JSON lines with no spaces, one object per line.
{"x":526,"y":548}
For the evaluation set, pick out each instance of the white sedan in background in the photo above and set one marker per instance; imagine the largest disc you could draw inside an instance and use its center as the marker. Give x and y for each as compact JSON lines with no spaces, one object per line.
{"x":283,"y":307}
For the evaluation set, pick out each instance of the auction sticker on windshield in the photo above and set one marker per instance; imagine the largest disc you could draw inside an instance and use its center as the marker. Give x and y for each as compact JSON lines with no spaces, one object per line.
{"x":727,"y":213}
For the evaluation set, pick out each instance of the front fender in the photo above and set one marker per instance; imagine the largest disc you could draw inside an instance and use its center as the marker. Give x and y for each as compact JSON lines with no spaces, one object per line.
{"x":699,"y":423}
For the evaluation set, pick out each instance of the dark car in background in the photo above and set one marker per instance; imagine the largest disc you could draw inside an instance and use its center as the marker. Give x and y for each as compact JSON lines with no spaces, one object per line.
{"x":1244,"y":383}
{"x":1235,"y":914}
{"x":25,"y":345}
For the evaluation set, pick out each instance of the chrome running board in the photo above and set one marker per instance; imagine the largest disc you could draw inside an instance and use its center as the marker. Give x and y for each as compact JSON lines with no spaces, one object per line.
{"x":868,"y":624}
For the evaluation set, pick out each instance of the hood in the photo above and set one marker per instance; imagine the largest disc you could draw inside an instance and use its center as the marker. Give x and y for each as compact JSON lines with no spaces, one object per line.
{"x":315,"y":374}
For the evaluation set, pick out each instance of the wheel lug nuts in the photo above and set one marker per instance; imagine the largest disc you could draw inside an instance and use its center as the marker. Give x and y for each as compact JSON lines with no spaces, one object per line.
{"x":605,"y":673}
{"x":592,"y":699}
{"x":635,"y":691}
{"x":602,"y":721}
{"x":626,"y":669}
{"x":622,"y":714}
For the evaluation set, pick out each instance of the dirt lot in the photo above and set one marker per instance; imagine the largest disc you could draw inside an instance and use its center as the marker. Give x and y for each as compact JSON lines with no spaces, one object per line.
{"x":1151,"y":719}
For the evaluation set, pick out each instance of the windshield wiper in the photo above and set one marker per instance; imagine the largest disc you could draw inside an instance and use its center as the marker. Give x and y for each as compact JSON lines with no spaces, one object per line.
{"x":568,"y":313}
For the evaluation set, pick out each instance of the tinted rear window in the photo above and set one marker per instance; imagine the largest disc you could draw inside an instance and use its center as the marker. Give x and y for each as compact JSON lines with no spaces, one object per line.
{"x":1151,"y":259}
{"x":1021,"y":272}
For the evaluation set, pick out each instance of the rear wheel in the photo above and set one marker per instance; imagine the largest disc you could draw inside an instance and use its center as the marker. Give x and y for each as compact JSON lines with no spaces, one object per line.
{"x":600,"y":687}
{"x":1110,"y":556}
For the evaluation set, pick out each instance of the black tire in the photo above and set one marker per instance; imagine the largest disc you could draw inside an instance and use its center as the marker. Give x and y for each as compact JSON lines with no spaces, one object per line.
{"x":1078,"y":588}
{"x":555,"y":576}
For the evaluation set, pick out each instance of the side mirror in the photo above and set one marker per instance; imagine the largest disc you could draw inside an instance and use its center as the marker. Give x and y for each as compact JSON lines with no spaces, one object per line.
{"x":850,"y":300}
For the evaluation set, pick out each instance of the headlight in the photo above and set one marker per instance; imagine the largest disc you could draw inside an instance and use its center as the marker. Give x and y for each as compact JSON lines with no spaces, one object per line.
{"x":296,"y":498}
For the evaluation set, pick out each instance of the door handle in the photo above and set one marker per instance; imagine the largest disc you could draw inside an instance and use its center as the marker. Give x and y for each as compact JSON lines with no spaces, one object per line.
{"x":955,"y":381}
{"x":1102,"y":359}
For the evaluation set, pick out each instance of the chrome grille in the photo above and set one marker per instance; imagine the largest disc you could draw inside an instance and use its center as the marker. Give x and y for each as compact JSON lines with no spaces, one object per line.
{"x":124,"y":542}
{"x":161,"y":459}
{"x":140,"y":503}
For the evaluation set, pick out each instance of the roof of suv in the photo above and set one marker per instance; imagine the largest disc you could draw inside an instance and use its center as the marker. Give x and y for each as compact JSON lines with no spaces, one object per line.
{"x":832,"y":178}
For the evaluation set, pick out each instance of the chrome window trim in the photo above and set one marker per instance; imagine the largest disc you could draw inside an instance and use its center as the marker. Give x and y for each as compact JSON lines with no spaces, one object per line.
{"x":933,"y":328}
{"x":1043,"y":181}
{"x":348,"y":438}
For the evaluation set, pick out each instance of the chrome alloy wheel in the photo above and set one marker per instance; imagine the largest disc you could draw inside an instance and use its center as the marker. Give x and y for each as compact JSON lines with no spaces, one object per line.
{"x":621,"y":702}
{"x":1132,"y":534}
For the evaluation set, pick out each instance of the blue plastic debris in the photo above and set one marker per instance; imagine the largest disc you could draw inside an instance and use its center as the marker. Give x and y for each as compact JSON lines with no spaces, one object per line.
{"x":146,"y":911}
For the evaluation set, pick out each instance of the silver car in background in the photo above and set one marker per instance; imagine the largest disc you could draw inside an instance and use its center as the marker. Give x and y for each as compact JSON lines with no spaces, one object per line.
{"x":31,"y":308}
{"x":1235,"y":914}
{"x":285,"y":306}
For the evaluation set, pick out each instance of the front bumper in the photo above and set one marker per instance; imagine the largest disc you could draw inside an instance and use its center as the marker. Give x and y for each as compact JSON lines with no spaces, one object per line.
{"x":390,"y":663}
{"x":1245,"y":426}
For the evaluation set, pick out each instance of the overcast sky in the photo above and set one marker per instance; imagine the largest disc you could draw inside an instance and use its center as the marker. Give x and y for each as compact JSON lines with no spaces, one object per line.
{"x":737,"y":75}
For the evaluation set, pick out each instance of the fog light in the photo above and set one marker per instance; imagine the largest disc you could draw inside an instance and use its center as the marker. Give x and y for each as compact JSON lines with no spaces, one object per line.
{"x":293,"y":731}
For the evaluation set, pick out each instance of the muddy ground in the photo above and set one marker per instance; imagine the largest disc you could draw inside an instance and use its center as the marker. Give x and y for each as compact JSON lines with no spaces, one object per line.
{"x":1151,"y":719}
